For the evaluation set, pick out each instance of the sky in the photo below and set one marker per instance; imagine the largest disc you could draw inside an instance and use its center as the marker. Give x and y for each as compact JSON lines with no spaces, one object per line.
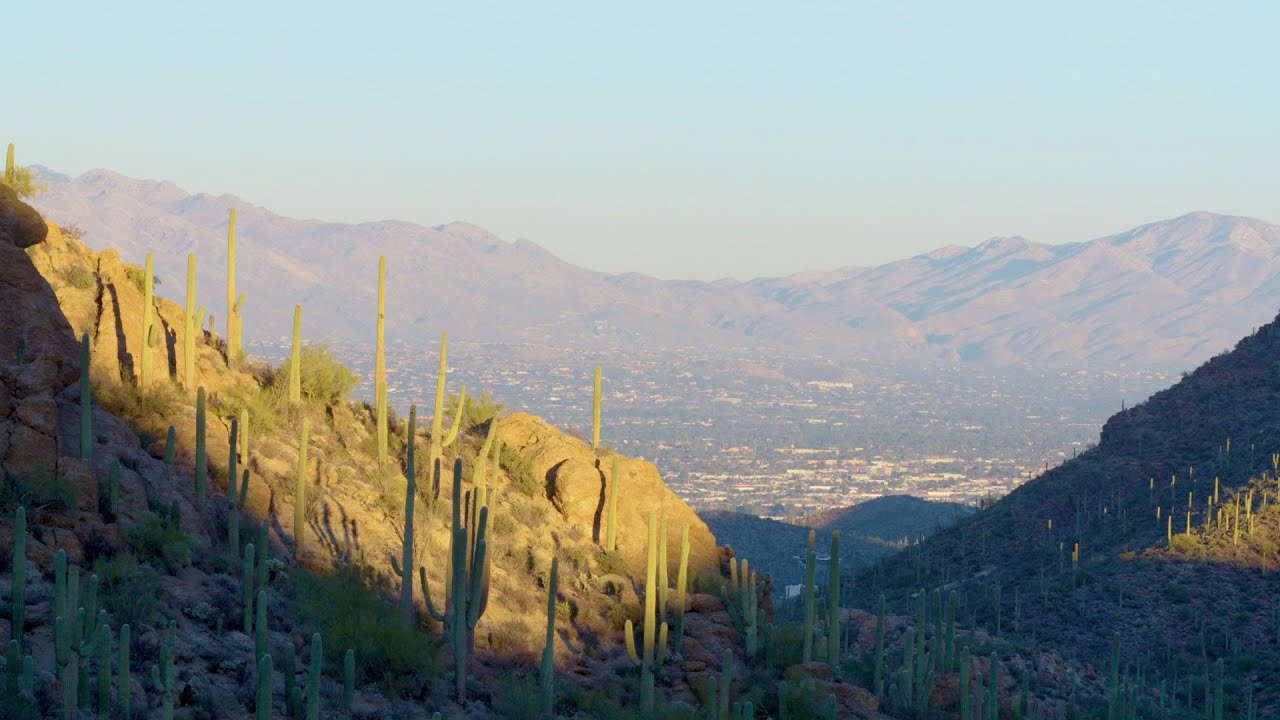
{"x":679,"y":139}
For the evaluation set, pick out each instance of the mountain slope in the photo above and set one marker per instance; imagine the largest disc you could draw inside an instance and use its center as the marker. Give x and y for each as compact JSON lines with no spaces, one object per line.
{"x":869,"y":531}
{"x":1168,"y":292}
{"x":1176,"y":522}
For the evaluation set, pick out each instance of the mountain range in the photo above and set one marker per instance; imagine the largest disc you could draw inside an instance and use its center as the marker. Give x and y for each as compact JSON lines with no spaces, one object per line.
{"x":1170,"y":293}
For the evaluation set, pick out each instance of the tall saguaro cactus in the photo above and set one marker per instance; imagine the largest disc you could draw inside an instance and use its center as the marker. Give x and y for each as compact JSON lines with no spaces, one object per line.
{"x":295,"y":358}
{"x":150,"y":336}
{"x":380,"y":365}
{"x":86,"y":400}
{"x":467,"y":586}
{"x":833,"y":604}
{"x":201,"y":468}
{"x":405,"y":569}
{"x":595,"y":411}
{"x":10,"y":174}
{"x":233,"y":348}
{"x":18,"y":593}
{"x":652,"y":657}
{"x":547,"y":673}
{"x":300,"y":491}
{"x":611,"y":513}
{"x":810,"y":561}
{"x":192,"y":320}
{"x":437,"y":413}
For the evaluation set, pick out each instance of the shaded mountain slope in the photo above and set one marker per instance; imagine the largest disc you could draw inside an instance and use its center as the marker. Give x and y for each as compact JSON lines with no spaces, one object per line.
{"x":869,"y":531}
{"x":1202,"y":280}
{"x":891,"y":518}
{"x":1177,"y":600}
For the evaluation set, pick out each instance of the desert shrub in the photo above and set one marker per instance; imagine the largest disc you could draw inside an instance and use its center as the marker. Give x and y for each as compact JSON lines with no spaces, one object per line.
{"x":78,"y":276}
{"x":346,"y":609}
{"x":126,"y":399}
{"x":788,"y":646}
{"x":23,"y":182}
{"x":477,"y":410}
{"x":158,"y":537}
{"x":38,"y":487}
{"x":129,"y":590}
{"x":520,"y":472}
{"x":610,"y":562}
{"x":324,"y":379}
{"x":804,"y":697}
{"x":138,"y":277}
{"x":529,"y":515}
{"x":501,"y":524}
{"x":619,"y":613}
{"x":518,"y":696}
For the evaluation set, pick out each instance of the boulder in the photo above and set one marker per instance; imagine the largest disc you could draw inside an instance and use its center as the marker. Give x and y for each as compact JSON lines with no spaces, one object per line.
{"x":577,"y":484}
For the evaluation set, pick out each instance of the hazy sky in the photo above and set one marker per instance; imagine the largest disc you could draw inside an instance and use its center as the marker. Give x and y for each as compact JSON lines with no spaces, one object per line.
{"x":682,"y":139}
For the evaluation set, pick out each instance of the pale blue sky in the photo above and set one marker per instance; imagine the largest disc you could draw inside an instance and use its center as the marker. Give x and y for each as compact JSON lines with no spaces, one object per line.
{"x":682,"y":139}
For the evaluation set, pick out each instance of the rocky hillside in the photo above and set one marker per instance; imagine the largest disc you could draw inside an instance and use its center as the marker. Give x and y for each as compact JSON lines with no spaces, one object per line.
{"x":123,"y":513}
{"x":1203,"y":280}
{"x":1164,"y":537}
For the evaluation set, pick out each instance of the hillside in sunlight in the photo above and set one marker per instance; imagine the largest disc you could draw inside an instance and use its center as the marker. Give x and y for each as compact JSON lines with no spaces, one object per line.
{"x":1160,"y":541}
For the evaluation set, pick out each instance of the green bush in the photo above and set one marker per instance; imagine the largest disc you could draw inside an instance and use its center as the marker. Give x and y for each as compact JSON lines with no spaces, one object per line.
{"x":38,"y":487}
{"x":23,"y":183}
{"x":130,"y":591}
{"x":610,"y":563}
{"x":518,"y":697}
{"x":520,"y":471}
{"x":79,"y":277}
{"x":158,"y":537}
{"x":477,"y":410}
{"x":138,"y":277}
{"x":345,"y":607}
{"x":324,"y":379}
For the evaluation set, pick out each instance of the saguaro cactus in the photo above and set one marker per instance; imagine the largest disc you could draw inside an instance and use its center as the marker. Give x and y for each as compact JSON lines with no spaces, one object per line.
{"x":192,"y":326}
{"x":246,"y":589}
{"x":380,"y":366}
{"x":650,"y":661}
{"x":262,"y":707}
{"x":547,"y":676}
{"x":162,"y":676}
{"x":457,"y":419}
{"x":313,"y":678}
{"x":233,"y":504}
{"x":10,"y":174}
{"x":595,"y":411}
{"x":405,"y":568}
{"x":348,"y":677}
{"x":86,"y":400}
{"x":437,"y":412}
{"x":682,"y":586}
{"x":233,"y":348}
{"x":201,"y":463}
{"x":467,"y":590}
{"x":295,"y":358}
{"x":150,"y":336}
{"x":611,"y":514}
{"x":123,"y":687}
{"x":18,"y":594}
{"x":810,"y":561}
{"x":300,"y":491}
{"x":833,"y":604}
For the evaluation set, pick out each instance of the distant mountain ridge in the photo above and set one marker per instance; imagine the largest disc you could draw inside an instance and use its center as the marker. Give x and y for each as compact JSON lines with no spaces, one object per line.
{"x":1171,"y":292}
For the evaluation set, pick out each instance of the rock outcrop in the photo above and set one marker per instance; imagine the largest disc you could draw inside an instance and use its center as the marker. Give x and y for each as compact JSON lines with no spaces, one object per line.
{"x":576,"y":481}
